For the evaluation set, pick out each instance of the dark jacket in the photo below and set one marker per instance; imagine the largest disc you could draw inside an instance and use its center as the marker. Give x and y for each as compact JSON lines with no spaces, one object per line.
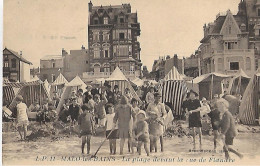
{"x":74,"y":112}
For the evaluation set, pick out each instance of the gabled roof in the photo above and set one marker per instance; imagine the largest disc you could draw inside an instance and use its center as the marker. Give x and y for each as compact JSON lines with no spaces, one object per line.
{"x":229,"y":18}
{"x":18,"y":56}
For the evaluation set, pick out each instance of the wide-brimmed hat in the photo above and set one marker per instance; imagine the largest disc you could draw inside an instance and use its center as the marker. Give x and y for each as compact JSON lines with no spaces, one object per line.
{"x":141,"y":112}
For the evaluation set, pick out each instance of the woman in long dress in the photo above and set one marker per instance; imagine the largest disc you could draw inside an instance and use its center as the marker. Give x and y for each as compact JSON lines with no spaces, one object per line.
{"x":124,"y":113}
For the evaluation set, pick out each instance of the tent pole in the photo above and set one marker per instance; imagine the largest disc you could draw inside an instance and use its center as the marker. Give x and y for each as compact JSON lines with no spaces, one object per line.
{"x":40,"y":94}
{"x":211,"y":95}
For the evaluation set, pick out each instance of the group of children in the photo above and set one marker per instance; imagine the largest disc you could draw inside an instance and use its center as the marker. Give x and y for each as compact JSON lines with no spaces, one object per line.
{"x":124,"y":121}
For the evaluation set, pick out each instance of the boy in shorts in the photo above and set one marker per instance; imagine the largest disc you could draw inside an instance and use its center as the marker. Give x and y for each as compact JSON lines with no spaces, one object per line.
{"x":86,"y":124}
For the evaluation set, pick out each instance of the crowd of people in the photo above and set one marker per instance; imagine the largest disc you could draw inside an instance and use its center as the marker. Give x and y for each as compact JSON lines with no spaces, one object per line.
{"x":124,"y":117}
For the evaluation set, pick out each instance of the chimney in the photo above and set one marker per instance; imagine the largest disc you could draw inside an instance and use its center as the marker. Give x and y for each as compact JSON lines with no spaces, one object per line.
{"x":63,"y":52}
{"x":175,"y":60}
{"x":21,"y":53}
{"x":90,"y":5}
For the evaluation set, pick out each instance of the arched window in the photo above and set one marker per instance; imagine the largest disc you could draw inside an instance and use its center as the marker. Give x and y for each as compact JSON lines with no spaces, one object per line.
{"x":248,"y":63}
{"x":96,"y":68}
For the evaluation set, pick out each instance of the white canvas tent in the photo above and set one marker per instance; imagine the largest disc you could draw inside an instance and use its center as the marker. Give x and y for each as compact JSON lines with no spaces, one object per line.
{"x":77,"y":82}
{"x":60,"y":80}
{"x":210,"y":84}
{"x":74,"y":84}
{"x":118,"y":78}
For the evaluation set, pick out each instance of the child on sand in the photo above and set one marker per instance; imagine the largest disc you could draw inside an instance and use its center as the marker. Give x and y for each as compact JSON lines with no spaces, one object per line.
{"x":142,"y":133}
{"x":110,"y":130}
{"x":154,"y":130}
{"x":100,"y":111}
{"x":22,"y":117}
{"x":86,"y":124}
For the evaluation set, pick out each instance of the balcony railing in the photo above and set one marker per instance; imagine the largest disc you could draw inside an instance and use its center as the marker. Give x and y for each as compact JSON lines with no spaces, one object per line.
{"x":234,"y":51}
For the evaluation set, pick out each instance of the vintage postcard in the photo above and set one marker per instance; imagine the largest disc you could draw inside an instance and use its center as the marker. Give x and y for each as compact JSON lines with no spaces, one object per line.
{"x":131,"y":82}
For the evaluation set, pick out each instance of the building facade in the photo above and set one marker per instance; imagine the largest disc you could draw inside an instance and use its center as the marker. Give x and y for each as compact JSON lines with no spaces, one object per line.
{"x":77,"y":62}
{"x":251,"y":8}
{"x":50,"y":67}
{"x":163,"y":65}
{"x":113,"y":41}
{"x":230,"y":43}
{"x":15,"y":67}
{"x":192,"y":65}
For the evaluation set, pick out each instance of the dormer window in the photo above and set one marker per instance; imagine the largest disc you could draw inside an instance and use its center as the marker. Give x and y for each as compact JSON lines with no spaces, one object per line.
{"x":105,"y":20}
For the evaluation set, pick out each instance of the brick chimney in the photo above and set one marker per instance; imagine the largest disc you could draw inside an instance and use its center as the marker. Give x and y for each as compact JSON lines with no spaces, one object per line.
{"x":175,"y":60}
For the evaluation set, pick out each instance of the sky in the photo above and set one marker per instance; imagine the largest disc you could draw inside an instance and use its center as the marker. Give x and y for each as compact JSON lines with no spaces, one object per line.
{"x":43,"y":27}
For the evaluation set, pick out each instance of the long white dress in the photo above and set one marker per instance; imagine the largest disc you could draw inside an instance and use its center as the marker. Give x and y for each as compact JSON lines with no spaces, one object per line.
{"x":22,"y":118}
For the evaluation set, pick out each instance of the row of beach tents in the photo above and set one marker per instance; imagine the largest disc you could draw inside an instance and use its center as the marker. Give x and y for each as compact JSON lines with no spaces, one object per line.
{"x":173,"y":87}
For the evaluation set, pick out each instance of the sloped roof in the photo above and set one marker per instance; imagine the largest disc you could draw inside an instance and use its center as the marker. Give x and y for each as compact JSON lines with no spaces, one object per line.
{"x":18,"y":56}
{"x":60,"y":80}
{"x":218,"y":24}
{"x":117,"y":75}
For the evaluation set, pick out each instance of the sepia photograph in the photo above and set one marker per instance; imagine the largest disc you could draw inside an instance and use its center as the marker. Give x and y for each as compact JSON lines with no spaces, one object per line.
{"x":130,"y":82}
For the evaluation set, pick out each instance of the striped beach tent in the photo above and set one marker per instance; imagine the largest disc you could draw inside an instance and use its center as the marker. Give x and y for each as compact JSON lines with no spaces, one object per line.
{"x":173,"y":74}
{"x":249,"y":107}
{"x":58,"y":85}
{"x":31,"y":91}
{"x":238,"y":83}
{"x":173,"y":92}
{"x":118,"y":78}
